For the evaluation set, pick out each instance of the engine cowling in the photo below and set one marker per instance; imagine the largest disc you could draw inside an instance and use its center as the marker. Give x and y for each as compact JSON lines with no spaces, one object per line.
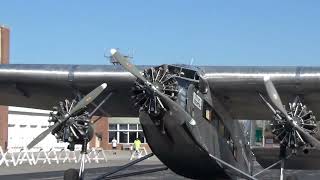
{"x":76,"y":129}
{"x":302,"y":116}
{"x":164,"y":81}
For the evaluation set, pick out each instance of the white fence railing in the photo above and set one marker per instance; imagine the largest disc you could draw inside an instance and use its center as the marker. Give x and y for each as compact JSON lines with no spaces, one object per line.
{"x":19,"y":155}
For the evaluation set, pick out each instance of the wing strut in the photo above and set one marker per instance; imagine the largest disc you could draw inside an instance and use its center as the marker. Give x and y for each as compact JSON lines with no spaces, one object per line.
{"x":238,"y":171}
{"x":110,"y":175}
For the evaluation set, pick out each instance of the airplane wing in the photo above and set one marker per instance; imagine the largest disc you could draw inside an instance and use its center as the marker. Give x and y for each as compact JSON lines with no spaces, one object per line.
{"x":43,"y":86}
{"x":237,"y":88}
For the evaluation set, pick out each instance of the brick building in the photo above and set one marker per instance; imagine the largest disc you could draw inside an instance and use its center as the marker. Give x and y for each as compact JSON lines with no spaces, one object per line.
{"x":4,"y":59}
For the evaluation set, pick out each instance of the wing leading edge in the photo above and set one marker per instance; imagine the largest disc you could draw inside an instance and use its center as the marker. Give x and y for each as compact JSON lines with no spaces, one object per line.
{"x":43,"y":86}
{"x":237,"y":88}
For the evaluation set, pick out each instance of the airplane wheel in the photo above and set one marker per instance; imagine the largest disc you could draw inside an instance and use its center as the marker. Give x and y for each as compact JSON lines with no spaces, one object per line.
{"x":292,"y":177}
{"x":71,"y":174}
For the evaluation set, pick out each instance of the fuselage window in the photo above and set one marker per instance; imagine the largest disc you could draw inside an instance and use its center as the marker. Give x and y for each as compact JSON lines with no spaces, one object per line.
{"x":207,"y":111}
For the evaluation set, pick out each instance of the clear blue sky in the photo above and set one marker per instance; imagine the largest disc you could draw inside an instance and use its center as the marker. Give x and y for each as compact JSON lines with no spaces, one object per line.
{"x":212,"y":32}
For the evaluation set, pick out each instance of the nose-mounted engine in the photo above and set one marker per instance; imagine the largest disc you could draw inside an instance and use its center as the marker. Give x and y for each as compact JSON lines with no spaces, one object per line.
{"x":164,"y":81}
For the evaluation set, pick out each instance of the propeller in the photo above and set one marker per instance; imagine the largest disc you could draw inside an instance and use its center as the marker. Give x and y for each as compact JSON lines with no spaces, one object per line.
{"x":275,"y":98}
{"x":80,"y":105}
{"x":151,"y":87}
{"x":122,"y":60}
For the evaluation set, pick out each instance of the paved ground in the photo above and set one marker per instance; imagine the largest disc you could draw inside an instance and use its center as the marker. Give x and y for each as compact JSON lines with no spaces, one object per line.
{"x":55,"y":171}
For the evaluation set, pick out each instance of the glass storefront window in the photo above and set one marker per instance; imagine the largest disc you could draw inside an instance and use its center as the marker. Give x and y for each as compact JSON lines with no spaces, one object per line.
{"x":112,"y":134}
{"x":132,"y":126}
{"x":132,"y":136}
{"x":123,"y":137}
{"x":112,"y":126}
{"x":123,"y":126}
{"x":126,"y":133}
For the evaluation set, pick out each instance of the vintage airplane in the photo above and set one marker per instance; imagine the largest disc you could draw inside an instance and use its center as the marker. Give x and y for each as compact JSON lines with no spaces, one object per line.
{"x":189,"y":114}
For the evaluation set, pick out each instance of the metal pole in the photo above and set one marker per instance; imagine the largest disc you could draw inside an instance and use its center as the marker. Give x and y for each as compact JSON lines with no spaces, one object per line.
{"x":252,"y":133}
{"x":282,"y":169}
{"x":81,"y":170}
{"x":263,"y":133}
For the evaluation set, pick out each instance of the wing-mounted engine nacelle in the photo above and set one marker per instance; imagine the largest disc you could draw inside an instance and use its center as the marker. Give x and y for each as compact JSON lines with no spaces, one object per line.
{"x":301,"y":116}
{"x":76,"y":130}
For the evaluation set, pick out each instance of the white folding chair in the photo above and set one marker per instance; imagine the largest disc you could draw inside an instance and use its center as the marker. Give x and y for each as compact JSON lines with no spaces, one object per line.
{"x":42,"y":156}
{"x":97,"y":154}
{"x":67,"y":155}
{"x":143,"y":151}
{"x":25,"y":156}
{"x":7,"y":157}
{"x":52,"y":156}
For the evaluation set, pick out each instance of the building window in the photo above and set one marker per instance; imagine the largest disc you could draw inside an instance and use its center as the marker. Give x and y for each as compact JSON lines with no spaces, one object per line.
{"x":112,"y":126}
{"x":126,"y":133}
{"x":123,"y":137}
{"x":112,"y":134}
{"x":132,"y":126}
{"x":132,"y":136}
{"x":123,"y":126}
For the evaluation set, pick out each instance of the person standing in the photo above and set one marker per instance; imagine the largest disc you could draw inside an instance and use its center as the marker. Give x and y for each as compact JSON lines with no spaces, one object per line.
{"x":114,"y":145}
{"x":137,"y":145}
{"x":136,"y":149}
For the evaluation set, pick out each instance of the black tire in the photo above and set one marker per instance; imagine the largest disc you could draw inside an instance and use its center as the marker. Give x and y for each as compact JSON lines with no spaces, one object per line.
{"x":71,"y":174}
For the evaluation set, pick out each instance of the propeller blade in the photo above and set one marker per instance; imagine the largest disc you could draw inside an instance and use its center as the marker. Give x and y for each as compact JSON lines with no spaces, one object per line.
{"x":123,"y":61}
{"x":273,"y":95}
{"x":309,"y":138}
{"x":81,"y":104}
{"x":268,"y":104}
{"x":41,"y":136}
{"x":88,"y":98}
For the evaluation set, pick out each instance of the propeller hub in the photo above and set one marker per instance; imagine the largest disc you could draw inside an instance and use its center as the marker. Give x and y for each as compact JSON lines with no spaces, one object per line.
{"x":75,"y":129}
{"x":161,"y":81}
